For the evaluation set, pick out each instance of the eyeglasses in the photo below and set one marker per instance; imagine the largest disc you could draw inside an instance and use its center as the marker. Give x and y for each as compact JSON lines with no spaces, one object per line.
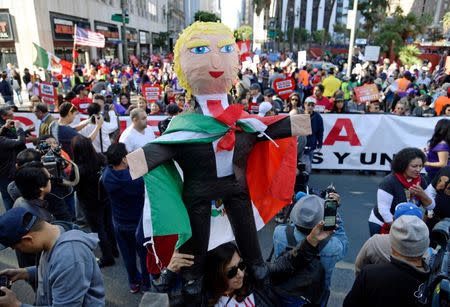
{"x":234,"y":270}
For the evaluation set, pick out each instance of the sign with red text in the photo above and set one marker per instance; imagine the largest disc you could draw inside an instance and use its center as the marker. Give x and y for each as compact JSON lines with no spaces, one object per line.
{"x":47,"y":92}
{"x":151,"y":93}
{"x":284,"y":87}
{"x":367,"y":93}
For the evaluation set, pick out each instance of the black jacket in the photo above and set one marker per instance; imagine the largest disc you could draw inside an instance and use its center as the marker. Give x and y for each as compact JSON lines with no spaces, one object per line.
{"x":263,"y":287}
{"x":9,"y":150}
{"x":387,"y":284}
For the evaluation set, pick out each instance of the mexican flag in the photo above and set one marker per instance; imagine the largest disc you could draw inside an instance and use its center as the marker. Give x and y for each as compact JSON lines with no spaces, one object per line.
{"x":49,"y":61}
{"x":270,"y":187}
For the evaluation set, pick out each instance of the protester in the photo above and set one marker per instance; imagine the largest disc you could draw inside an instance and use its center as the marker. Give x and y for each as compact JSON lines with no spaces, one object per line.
{"x":82,"y":102}
{"x":94,"y":203}
{"x":293,"y":104}
{"x":314,"y":140}
{"x":256,"y":98}
{"x":445,"y":111}
{"x":172,"y":111}
{"x":64,"y":133}
{"x":6,"y":90}
{"x":306,"y":213}
{"x":438,"y":149}
{"x":442,"y":101}
{"x":12,"y":141}
{"x":377,"y":249}
{"x":323,"y":104}
{"x":277,"y":104}
{"x":45,"y":118}
{"x":67,"y":275}
{"x":138,"y":133}
{"x":404,"y":184}
{"x":331,"y":84}
{"x":127,"y":200}
{"x":395,"y":283}
{"x":423,"y":109}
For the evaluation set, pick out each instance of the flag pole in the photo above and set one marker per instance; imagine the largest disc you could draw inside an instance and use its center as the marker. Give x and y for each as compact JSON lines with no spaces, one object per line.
{"x":74,"y":46}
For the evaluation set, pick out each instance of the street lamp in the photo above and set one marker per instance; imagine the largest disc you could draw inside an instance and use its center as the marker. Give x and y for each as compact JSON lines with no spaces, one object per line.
{"x":352,"y":38}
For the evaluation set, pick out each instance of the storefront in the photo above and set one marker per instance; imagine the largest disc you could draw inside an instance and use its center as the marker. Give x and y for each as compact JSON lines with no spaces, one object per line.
{"x":63,"y":27}
{"x":132,"y":40}
{"x":144,"y":43}
{"x":112,"y":39}
{"x":7,"y":44}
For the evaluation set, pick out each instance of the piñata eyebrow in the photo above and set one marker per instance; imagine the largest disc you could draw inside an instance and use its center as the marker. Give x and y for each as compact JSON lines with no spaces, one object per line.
{"x":224,"y":42}
{"x":197,"y":43}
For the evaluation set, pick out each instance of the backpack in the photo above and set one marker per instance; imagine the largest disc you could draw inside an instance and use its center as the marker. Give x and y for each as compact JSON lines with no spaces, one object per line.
{"x":307,"y":284}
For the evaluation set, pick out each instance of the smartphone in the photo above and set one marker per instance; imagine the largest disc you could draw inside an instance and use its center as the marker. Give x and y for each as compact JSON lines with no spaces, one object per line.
{"x":93,"y":119}
{"x":4,"y":282}
{"x":330,"y":213}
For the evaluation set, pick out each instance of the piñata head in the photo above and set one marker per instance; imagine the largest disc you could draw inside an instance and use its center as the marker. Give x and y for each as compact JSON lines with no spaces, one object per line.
{"x":206,"y":58}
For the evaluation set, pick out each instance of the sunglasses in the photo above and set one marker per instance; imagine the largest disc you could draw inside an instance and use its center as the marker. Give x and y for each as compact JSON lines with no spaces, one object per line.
{"x":234,"y":270}
{"x":294,"y":99}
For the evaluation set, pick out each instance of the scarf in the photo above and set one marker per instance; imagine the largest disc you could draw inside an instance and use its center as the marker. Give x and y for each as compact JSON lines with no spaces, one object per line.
{"x":407,"y":184}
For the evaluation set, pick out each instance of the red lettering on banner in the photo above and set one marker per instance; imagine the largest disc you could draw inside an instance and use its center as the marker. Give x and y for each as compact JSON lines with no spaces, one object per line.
{"x":335,"y":133}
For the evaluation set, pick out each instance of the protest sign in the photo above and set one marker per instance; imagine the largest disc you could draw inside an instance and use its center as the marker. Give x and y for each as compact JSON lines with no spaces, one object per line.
{"x":367,"y":93}
{"x":284,"y":87}
{"x":151,"y":93}
{"x":48,"y":93}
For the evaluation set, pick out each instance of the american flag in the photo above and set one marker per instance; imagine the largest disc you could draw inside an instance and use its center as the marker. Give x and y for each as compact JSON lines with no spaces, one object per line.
{"x":88,"y":38}
{"x":441,"y":71}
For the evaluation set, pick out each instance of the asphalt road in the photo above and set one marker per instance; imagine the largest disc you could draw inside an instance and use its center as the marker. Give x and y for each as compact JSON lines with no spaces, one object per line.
{"x":358,"y":195}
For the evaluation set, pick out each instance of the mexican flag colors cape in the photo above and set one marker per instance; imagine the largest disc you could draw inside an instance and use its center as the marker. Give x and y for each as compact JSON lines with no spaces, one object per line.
{"x":271,"y":186}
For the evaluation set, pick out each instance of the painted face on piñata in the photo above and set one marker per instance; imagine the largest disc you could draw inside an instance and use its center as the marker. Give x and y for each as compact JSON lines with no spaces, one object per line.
{"x":206,"y":58}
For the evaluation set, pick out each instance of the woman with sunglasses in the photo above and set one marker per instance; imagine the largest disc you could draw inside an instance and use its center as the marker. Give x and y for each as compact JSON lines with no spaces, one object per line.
{"x":293,"y":104}
{"x":228,"y":282}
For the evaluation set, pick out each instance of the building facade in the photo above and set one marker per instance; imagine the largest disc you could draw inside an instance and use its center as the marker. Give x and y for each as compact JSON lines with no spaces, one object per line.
{"x":50,"y":24}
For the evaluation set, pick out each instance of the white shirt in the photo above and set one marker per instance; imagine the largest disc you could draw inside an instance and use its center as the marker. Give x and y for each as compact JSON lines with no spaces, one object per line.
{"x":226,"y":301}
{"x":133,"y":139}
{"x":106,"y":130}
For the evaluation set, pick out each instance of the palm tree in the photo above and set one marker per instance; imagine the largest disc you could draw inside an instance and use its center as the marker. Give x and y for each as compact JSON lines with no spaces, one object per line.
{"x":260,"y":5}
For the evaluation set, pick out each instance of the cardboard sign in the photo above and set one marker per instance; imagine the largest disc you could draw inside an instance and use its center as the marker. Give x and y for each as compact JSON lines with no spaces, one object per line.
{"x":284,"y":87}
{"x":372,"y":53}
{"x":367,"y":93}
{"x":48,"y":93}
{"x":151,"y":93}
{"x":301,"y":58}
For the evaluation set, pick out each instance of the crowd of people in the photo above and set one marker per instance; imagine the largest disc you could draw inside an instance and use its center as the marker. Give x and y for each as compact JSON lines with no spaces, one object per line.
{"x":79,"y":175}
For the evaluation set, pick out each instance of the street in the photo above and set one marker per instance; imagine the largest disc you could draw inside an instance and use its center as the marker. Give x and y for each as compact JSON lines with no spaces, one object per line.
{"x":358,"y":195}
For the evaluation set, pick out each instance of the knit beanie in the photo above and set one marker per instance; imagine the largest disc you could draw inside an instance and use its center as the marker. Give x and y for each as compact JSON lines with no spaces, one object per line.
{"x":308,"y":211}
{"x":409,"y":236}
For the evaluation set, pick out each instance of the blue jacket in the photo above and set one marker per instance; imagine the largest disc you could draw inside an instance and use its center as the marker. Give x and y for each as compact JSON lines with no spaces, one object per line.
{"x":333,"y":251}
{"x":70,"y":273}
{"x":315,"y":139}
{"x":125,"y":194}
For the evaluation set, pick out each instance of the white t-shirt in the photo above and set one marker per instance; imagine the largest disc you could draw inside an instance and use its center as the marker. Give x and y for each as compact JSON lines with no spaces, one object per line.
{"x":134,"y":139}
{"x":106,"y":130}
{"x":225,"y":301}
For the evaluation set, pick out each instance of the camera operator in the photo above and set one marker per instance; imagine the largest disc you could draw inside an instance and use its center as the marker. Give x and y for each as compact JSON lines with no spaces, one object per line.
{"x":61,"y":189}
{"x":12,"y":140}
{"x":102,"y":140}
{"x":307,"y":213}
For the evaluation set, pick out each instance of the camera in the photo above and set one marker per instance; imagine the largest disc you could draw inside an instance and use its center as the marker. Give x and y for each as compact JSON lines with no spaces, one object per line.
{"x":53,"y":161}
{"x":436,"y":290}
{"x":4,"y":282}
{"x":325,"y":194}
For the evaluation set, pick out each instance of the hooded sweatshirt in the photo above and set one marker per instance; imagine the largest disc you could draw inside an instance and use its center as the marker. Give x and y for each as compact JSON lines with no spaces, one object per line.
{"x":126,"y":195}
{"x":68,"y":274}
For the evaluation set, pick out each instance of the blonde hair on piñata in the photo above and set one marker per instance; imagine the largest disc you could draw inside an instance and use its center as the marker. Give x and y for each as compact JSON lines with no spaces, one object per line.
{"x":198,"y":27}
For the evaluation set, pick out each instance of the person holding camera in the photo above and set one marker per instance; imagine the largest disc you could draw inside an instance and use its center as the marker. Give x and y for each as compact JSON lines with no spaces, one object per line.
{"x":307,"y":213}
{"x":67,"y":275}
{"x":395,"y":283}
{"x":41,"y":112}
{"x":102,"y":141}
{"x":12,"y":141}
{"x":64,"y":133}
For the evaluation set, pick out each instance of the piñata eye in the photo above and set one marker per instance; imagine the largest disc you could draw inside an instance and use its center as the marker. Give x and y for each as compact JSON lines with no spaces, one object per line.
{"x":200,"y":50}
{"x":227,"y":49}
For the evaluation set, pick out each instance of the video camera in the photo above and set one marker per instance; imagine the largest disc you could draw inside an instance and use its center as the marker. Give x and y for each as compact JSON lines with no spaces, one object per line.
{"x":53,"y":161}
{"x":436,"y":290}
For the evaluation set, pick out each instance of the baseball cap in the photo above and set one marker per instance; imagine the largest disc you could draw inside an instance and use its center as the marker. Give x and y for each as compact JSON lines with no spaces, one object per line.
{"x":308,"y":211}
{"x":310,"y":99}
{"x":13,"y":226}
{"x":264,"y":107}
{"x":255,"y":86}
{"x":269,"y":92}
{"x":407,"y":209}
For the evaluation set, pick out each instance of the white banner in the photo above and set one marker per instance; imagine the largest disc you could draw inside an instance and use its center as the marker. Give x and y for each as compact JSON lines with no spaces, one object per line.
{"x":350,"y":141}
{"x":369,"y":142}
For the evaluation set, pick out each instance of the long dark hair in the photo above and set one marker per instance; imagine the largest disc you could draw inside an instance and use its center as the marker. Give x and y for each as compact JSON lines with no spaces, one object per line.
{"x":289,"y":103}
{"x":84,"y":154}
{"x":216,"y":282}
{"x":441,"y":133}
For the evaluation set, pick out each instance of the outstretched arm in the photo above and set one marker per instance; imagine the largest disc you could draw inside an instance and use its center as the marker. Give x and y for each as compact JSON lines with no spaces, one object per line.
{"x":294,"y":125}
{"x":144,"y":159}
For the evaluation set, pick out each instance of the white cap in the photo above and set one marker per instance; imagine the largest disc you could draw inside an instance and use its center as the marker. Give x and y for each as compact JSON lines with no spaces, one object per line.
{"x":264,"y":107}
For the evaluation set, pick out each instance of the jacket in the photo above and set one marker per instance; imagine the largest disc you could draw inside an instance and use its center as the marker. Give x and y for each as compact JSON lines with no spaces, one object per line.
{"x":44,"y":128}
{"x":70,"y":274}
{"x":315,"y":139}
{"x":333,"y":251}
{"x":36,"y":206}
{"x":377,"y":249}
{"x":387,"y":284}
{"x":125,"y":195}
{"x":8,"y":153}
{"x":264,"y":286}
